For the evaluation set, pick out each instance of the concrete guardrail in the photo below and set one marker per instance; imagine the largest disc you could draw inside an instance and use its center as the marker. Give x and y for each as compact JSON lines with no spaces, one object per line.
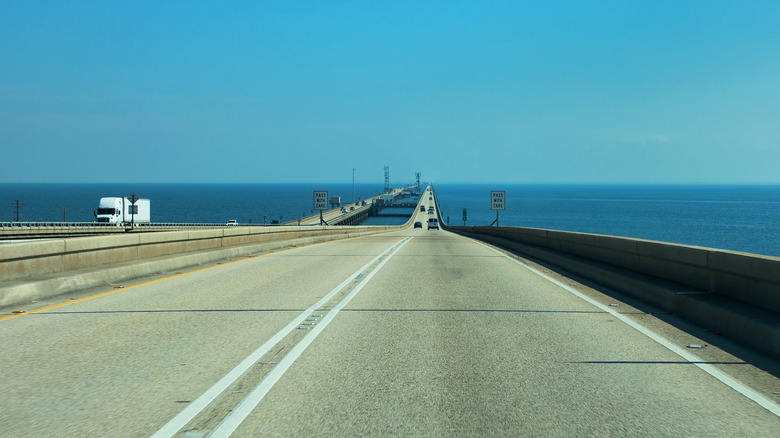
{"x":40,"y":269}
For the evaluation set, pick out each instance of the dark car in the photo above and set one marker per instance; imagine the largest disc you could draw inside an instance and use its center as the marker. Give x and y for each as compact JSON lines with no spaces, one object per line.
{"x":418,"y":224}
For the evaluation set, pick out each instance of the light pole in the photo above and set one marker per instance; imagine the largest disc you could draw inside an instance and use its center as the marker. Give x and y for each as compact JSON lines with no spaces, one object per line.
{"x":353,"y":184}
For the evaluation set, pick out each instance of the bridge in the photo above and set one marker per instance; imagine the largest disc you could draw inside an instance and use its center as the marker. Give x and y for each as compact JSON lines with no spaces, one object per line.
{"x":347,"y":214}
{"x":356,"y":330}
{"x":355,"y":214}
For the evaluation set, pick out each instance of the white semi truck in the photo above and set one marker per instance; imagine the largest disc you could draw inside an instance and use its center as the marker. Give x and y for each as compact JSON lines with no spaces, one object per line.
{"x":120,"y":211}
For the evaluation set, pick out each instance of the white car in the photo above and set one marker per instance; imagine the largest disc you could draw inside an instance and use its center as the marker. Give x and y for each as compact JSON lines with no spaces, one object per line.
{"x":232,"y":222}
{"x":433,"y":223}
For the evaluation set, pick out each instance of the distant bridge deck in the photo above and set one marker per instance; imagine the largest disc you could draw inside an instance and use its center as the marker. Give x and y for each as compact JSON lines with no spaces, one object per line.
{"x":407,"y":204}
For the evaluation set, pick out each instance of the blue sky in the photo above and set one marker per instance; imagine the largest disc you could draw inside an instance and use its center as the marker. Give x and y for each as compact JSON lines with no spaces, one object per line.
{"x":559,"y":91}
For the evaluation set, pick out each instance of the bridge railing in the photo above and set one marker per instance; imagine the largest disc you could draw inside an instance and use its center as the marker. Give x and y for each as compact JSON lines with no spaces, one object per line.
{"x":104,"y":224}
{"x":25,"y":265}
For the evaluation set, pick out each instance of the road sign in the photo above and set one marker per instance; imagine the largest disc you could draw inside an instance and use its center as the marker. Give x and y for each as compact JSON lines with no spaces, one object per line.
{"x":498,"y":200}
{"x":464,"y":215}
{"x":320,"y":200}
{"x":133,"y":210}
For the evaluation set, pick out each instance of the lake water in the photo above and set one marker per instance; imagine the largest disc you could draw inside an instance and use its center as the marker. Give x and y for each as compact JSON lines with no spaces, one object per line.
{"x":735,"y":217}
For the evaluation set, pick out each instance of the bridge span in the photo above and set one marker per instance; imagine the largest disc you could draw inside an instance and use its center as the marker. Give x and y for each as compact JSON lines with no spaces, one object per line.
{"x":394,"y":331}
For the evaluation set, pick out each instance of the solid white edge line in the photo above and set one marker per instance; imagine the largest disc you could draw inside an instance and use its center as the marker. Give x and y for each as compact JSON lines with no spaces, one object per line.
{"x":242,"y":410}
{"x":758,"y":398}
{"x":193,"y":409}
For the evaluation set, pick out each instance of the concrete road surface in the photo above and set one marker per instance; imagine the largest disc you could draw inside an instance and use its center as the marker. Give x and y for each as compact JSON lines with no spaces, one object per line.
{"x":411,"y":333}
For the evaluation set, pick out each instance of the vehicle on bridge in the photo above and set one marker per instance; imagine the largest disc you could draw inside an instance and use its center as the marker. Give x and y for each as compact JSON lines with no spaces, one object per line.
{"x":418,"y":224}
{"x":120,"y":211}
{"x":433,"y":224}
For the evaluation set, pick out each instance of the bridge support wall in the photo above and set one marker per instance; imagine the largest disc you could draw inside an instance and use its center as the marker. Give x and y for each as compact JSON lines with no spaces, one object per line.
{"x":355,"y":218}
{"x":736,"y":294}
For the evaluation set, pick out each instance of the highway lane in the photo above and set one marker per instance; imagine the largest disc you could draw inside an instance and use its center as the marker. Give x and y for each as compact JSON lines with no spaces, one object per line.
{"x":472,"y":345}
{"x":417,"y":332}
{"x":144,"y":352}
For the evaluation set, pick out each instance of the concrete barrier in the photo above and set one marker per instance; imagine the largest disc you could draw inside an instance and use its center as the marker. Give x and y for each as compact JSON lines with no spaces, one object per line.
{"x":42,"y":269}
{"x":732,"y":293}
{"x":25,"y":259}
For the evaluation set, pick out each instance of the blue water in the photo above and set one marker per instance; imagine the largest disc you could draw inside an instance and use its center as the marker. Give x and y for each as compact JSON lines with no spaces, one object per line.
{"x":173,"y":203}
{"x":735,"y":217}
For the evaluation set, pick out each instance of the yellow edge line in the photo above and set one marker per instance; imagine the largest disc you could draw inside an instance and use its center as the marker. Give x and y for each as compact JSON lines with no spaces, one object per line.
{"x":5,"y":318}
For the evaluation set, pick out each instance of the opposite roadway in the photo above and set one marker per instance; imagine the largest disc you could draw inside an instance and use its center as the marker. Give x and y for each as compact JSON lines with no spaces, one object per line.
{"x":408,"y":333}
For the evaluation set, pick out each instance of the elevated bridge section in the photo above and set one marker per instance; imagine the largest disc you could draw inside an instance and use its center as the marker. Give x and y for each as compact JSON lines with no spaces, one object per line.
{"x":356,"y":213}
{"x":345,"y":214}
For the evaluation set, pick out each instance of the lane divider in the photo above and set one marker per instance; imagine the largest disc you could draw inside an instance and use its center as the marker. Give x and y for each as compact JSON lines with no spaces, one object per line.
{"x":242,"y":410}
{"x":736,"y":385}
{"x":199,"y":404}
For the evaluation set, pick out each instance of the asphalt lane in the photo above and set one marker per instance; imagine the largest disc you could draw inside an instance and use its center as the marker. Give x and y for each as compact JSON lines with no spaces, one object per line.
{"x":414,"y":333}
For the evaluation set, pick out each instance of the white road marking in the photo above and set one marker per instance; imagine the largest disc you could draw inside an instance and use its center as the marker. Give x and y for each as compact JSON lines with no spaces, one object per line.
{"x":199,"y":404}
{"x":231,"y":422}
{"x":764,"y":402}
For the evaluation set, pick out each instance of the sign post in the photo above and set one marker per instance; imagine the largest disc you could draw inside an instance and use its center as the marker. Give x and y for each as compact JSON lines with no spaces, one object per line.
{"x":464,"y":217}
{"x":497,"y":202}
{"x":133,"y":209}
{"x":321,"y":203}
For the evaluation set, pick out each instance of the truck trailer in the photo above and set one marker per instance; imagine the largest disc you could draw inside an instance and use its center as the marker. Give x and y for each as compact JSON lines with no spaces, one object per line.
{"x":119,"y":211}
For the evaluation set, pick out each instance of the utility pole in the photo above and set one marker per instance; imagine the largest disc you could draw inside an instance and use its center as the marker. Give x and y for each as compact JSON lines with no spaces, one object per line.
{"x":18,"y":213}
{"x":387,"y":179}
{"x":353,"y":184}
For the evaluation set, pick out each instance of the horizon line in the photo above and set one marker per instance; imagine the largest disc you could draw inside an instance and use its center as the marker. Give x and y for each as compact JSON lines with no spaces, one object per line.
{"x":407,"y":183}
